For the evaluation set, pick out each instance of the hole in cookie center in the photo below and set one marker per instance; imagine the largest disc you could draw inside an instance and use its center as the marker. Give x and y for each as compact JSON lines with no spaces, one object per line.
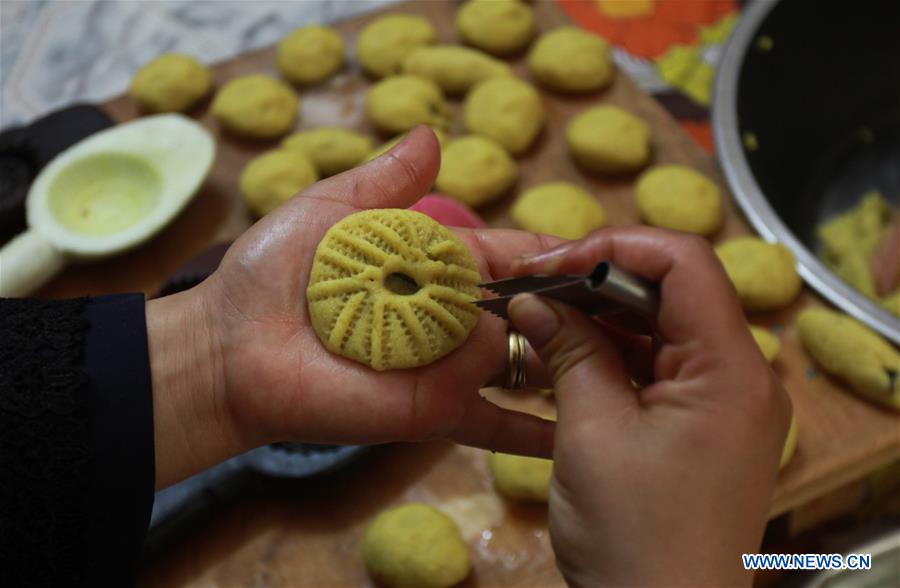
{"x":400,"y":283}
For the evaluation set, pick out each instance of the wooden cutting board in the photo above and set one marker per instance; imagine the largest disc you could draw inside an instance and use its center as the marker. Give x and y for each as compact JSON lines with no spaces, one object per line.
{"x":309,"y":534}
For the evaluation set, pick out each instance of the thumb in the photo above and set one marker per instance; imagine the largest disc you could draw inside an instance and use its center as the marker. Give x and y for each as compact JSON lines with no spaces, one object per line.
{"x":588,"y":372}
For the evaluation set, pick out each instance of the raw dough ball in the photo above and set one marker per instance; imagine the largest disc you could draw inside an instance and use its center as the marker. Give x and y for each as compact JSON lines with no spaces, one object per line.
{"x":569,"y":59}
{"x":496,"y":26}
{"x":331,"y":149}
{"x":764,"y":274}
{"x":850,"y":239}
{"x":506,"y":110}
{"x":170,"y":83}
{"x":560,"y":209}
{"x":851,"y":352}
{"x":608,"y":139}
{"x":398,"y":103}
{"x":790,"y":444}
{"x":521,"y":478}
{"x":310,"y":54}
{"x":415,"y":546}
{"x":274,"y":177}
{"x":387,"y":145}
{"x":392,"y":289}
{"x":385,"y":42}
{"x":454,"y":69}
{"x":256,"y":106}
{"x":475,"y":170}
{"x":767,"y":341}
{"x":677,"y":197}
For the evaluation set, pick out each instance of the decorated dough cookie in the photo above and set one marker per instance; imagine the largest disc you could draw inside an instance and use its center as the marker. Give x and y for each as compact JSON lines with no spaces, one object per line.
{"x":608,"y":140}
{"x":385,"y":42}
{"x":496,"y":26}
{"x":767,"y":341}
{"x":398,"y":103}
{"x":677,"y":197}
{"x":310,"y":54}
{"x":475,"y":170}
{"x":274,"y":177}
{"x":506,"y":110}
{"x":454,"y":69}
{"x":764,"y":274}
{"x":415,"y":546}
{"x":569,"y":59}
{"x":170,"y":83}
{"x":851,"y":352}
{"x":392,"y":289}
{"x":256,"y":106}
{"x":560,"y":209}
{"x":521,"y":478}
{"x":331,"y":149}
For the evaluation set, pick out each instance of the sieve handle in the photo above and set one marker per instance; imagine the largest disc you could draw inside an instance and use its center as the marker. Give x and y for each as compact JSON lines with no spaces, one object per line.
{"x":27,"y":263}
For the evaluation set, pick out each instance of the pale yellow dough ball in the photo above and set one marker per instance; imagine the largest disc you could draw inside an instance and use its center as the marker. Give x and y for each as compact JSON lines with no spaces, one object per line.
{"x":399,"y":103}
{"x":767,"y":341}
{"x":851,"y":352}
{"x":500,"y":27}
{"x":506,"y":110}
{"x":415,"y":546}
{"x":385,"y":42}
{"x":272,"y":178}
{"x":677,"y":197}
{"x":560,"y":209}
{"x":256,"y":106}
{"x":569,"y":59}
{"x":454,"y":69}
{"x":608,"y":140}
{"x":331,"y":149}
{"x":521,"y":478}
{"x":309,"y":55}
{"x":475,"y":170}
{"x":170,"y":83}
{"x":764,"y":274}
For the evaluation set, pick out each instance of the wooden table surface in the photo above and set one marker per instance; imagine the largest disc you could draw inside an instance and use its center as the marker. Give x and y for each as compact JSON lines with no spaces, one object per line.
{"x":310,"y":534}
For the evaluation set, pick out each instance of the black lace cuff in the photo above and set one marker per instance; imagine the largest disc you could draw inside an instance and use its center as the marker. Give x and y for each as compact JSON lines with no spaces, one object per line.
{"x":76,"y":440}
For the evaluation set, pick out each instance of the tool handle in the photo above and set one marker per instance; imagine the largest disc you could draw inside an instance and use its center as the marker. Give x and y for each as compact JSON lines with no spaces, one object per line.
{"x":27,"y":263}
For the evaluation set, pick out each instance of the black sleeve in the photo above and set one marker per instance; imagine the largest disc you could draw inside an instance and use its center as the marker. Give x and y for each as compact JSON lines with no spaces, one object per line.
{"x":76,"y":440}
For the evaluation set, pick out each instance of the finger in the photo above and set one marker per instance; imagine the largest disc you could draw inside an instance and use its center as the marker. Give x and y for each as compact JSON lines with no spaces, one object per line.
{"x":499,"y":247}
{"x":488,"y":426}
{"x":698,"y":301}
{"x":396,"y":179}
{"x":589,"y":375}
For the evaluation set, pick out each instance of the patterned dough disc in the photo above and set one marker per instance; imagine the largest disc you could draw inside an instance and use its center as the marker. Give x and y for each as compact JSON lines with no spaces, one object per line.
{"x":392,"y":289}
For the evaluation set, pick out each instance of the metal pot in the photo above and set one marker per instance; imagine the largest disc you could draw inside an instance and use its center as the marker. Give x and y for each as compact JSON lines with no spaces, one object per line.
{"x":806,"y":118}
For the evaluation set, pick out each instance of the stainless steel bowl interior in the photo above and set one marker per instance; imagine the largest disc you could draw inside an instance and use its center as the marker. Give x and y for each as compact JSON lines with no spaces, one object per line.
{"x":806,"y":119}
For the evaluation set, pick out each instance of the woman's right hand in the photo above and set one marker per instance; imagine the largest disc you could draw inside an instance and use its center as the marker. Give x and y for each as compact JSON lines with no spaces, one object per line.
{"x":668,"y":485}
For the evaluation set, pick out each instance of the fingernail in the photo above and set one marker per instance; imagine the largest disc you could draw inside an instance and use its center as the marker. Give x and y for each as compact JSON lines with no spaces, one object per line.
{"x":544,"y":260}
{"x":534,"y":318}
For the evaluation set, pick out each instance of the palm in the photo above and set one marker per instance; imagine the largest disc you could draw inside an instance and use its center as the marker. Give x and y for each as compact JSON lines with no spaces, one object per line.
{"x":280,"y":379}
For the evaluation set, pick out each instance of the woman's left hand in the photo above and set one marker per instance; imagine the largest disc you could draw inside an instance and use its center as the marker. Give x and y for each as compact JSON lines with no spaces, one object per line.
{"x":237,"y":364}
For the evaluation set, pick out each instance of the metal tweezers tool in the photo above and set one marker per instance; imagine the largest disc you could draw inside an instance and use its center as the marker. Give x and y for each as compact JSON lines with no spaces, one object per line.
{"x":608,"y":293}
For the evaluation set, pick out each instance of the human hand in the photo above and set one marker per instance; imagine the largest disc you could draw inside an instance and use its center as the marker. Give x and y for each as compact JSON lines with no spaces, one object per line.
{"x":243,"y":366}
{"x":668,"y":485}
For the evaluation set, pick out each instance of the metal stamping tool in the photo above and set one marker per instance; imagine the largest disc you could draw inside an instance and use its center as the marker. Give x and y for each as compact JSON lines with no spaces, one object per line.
{"x":607,"y":293}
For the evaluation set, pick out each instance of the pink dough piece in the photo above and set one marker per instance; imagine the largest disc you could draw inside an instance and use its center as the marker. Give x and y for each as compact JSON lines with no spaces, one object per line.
{"x":447,"y":211}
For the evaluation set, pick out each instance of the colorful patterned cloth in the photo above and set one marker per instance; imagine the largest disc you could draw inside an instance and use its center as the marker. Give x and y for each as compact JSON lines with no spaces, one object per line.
{"x":669,"y":47}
